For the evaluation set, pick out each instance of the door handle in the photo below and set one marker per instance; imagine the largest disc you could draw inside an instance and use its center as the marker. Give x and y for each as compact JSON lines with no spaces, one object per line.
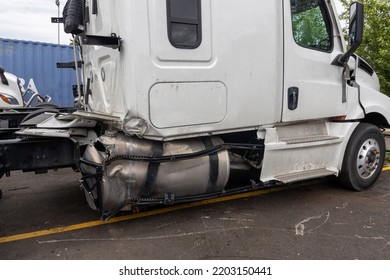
{"x":293,"y":97}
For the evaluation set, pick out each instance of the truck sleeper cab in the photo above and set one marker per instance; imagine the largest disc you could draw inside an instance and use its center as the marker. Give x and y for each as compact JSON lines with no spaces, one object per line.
{"x":188,"y":93}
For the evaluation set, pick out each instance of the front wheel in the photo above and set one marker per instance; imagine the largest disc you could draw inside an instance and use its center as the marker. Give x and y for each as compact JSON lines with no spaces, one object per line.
{"x":364,"y":158}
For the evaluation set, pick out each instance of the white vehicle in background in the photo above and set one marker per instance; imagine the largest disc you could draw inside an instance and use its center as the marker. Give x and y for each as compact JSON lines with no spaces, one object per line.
{"x":13,"y":95}
{"x":10,"y":91}
{"x":182,"y":95}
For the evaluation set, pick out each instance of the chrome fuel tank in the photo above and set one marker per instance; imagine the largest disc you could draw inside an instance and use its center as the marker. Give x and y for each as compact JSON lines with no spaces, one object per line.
{"x":129,"y":175}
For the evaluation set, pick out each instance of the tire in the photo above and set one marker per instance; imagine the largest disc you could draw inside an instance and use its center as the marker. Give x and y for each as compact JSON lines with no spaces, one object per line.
{"x":363,"y":158}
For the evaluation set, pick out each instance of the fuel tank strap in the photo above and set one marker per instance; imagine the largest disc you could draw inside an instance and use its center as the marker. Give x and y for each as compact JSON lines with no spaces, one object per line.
{"x":214,"y":166}
{"x":152,"y":171}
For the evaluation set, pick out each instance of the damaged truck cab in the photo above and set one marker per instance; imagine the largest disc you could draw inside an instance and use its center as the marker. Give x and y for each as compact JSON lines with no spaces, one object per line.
{"x":183,"y":95}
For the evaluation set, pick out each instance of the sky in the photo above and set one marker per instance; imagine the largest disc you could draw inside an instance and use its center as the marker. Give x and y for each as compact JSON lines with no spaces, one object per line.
{"x":30,"y":20}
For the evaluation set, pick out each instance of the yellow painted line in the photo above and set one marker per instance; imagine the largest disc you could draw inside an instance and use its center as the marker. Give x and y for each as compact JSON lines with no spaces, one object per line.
{"x":92,"y":224}
{"x":386,"y":168}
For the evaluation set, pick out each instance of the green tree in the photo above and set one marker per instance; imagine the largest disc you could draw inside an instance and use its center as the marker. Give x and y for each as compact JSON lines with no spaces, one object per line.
{"x":375,"y":48}
{"x":309,"y":26}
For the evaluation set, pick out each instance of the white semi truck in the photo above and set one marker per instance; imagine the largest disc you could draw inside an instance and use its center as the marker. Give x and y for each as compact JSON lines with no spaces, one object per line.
{"x":180,"y":96}
{"x":14,"y":95}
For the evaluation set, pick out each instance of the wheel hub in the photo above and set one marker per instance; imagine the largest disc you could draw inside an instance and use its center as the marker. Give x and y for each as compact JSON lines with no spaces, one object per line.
{"x":368,"y":158}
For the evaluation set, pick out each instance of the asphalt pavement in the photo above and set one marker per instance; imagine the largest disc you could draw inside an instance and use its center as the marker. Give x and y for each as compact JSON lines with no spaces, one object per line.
{"x":46,"y":217}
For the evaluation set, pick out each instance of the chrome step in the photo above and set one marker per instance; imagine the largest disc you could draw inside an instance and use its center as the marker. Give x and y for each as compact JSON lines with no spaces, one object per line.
{"x":305,"y":175}
{"x":308,"y":139}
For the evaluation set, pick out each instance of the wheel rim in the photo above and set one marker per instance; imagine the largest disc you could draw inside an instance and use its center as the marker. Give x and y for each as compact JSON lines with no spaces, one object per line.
{"x":368,"y":158}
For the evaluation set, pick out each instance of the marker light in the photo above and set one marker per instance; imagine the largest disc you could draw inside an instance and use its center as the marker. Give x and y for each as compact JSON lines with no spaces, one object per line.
{"x":9,"y":99}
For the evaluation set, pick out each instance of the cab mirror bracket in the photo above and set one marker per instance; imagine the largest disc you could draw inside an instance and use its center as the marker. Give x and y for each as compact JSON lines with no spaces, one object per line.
{"x":356,"y":27}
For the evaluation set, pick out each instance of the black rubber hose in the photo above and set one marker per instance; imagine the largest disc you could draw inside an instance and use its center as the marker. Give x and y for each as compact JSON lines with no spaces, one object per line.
{"x":73,"y":17}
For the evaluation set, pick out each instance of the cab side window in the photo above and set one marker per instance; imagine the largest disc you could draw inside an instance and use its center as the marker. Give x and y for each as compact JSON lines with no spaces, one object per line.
{"x":184,"y":23}
{"x":311,"y":24}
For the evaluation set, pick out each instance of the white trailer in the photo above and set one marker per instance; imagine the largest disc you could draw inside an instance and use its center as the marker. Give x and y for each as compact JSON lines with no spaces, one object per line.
{"x":180,"y":95}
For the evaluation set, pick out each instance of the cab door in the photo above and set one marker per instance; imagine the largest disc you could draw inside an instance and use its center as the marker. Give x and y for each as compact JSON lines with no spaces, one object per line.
{"x":312,"y":85}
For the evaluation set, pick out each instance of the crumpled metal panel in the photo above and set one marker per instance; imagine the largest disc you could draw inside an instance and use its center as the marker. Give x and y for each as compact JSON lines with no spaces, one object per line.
{"x":127,"y":179}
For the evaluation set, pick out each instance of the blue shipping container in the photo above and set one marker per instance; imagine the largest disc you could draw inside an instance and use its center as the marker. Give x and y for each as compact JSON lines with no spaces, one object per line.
{"x":38,"y":61}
